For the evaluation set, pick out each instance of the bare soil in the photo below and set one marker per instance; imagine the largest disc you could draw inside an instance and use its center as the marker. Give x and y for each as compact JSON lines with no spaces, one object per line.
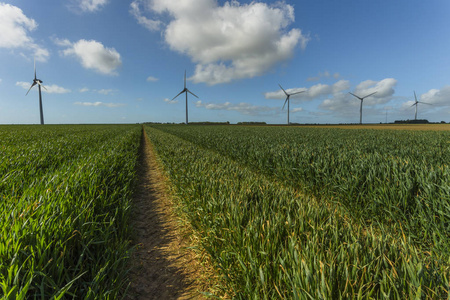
{"x":162,"y":266}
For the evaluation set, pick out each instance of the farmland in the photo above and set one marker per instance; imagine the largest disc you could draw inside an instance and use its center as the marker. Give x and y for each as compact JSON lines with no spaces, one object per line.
{"x":65,"y":195}
{"x":282,"y":212}
{"x":311,"y":213}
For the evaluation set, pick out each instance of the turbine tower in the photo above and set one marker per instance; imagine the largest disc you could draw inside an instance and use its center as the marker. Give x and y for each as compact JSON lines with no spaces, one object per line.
{"x":288,"y":96}
{"x":360,"y":109}
{"x":185,"y":90}
{"x":416,"y":103}
{"x":39,"y":83}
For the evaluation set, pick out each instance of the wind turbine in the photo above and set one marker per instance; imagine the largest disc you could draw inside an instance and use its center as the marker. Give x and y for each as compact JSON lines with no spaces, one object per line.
{"x":288,"y":96}
{"x":360,"y":109}
{"x":39,"y":83}
{"x":416,"y":103}
{"x":185,"y":90}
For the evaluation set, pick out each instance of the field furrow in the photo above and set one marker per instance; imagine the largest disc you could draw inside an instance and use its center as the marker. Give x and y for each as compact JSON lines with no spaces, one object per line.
{"x":271,"y":241}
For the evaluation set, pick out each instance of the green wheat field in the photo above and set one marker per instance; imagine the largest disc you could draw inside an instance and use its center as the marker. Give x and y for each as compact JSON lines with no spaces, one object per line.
{"x":283,"y":212}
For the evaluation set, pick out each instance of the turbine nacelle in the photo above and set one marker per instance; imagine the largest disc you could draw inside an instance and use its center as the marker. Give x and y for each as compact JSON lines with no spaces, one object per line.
{"x":288,"y":96}
{"x":185,"y":90}
{"x":416,"y":104}
{"x":362,"y":98}
{"x":38,"y":82}
{"x":360,"y":108}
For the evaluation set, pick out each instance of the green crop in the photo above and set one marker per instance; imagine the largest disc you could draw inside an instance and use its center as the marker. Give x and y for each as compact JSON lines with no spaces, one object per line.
{"x":64,"y":207}
{"x":305,"y":213}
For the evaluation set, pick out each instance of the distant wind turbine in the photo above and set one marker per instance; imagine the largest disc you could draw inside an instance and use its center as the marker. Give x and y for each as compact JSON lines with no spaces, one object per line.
{"x":39,"y":83}
{"x":288,"y":96}
{"x":185,"y":90}
{"x":360,"y":109}
{"x":416,"y":103}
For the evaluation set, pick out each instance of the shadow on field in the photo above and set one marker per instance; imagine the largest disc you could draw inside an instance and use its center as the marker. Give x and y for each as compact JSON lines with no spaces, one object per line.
{"x":160,"y":267}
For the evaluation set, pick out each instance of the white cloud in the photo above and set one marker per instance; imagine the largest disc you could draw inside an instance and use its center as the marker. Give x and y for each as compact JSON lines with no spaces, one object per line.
{"x":296,"y":109}
{"x":54,"y":89}
{"x":226,"y":42}
{"x":151,"y":25}
{"x":87,"y":5}
{"x":437,"y":97}
{"x":170,"y":101}
{"x":110,"y":105}
{"x":152,"y":79}
{"x":14,"y":32}
{"x":23,"y":84}
{"x":243,"y":108}
{"x":314,"y":92}
{"x":384,"y":90}
{"x":346,"y":104}
{"x":51,"y":89}
{"x":93,"y":55}
{"x":106,"y":91}
{"x":84,"y":90}
{"x":1,"y":80}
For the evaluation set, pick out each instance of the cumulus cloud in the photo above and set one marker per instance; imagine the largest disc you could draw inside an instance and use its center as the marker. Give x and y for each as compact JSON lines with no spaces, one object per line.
{"x":384,"y":90}
{"x":437,"y":97}
{"x":226,"y":42}
{"x":152,"y":79}
{"x":311,"y":93}
{"x":51,"y":89}
{"x":151,"y":25}
{"x":84,"y":90}
{"x":14,"y":32}
{"x":346,"y":104}
{"x":92,"y":55}
{"x":86,"y":6}
{"x":110,"y":105}
{"x":92,"y":5}
{"x":243,"y":108}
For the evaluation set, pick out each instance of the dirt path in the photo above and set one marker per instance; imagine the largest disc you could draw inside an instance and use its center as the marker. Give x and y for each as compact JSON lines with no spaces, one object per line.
{"x":161,"y":266}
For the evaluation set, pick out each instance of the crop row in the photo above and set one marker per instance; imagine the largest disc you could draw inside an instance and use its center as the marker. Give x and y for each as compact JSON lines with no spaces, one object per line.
{"x":393,"y":177}
{"x":64,"y":202}
{"x":270,"y":240}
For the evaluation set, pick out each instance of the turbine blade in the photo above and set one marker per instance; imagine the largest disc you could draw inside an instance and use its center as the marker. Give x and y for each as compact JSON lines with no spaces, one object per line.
{"x":42,"y":86}
{"x":285,"y":102}
{"x":355,"y":96}
{"x":424,"y":103}
{"x":415,"y":97}
{"x":369,"y":95}
{"x":414,"y":104}
{"x":297,"y":93}
{"x":35,"y":68}
{"x":34,"y":83}
{"x":177,"y":95}
{"x":192,"y":93}
{"x":283,"y":90}
{"x":185,"y":79}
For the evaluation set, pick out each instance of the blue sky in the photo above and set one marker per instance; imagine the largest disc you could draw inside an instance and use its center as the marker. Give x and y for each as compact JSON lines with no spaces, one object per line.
{"x":121,"y":61}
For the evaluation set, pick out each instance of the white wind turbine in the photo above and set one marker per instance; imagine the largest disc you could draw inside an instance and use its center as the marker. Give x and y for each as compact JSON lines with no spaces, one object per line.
{"x":288,"y":96}
{"x":360,"y":108}
{"x":416,"y":103}
{"x":185,"y":90}
{"x":39,"y":83}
